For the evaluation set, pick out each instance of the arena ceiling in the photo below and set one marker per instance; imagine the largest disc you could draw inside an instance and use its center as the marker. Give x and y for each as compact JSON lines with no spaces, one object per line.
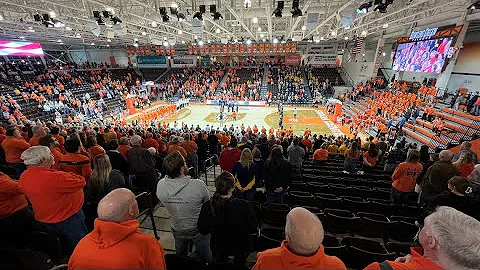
{"x":141,"y":20}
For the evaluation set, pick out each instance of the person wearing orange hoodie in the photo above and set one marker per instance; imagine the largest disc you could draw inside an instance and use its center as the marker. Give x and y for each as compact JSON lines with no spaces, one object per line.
{"x":302,"y":247}
{"x":56,"y":196}
{"x":115,"y":242}
{"x":13,"y":146}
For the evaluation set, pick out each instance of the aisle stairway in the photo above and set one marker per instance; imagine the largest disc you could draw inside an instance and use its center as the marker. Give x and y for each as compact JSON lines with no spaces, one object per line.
{"x":264,"y":87}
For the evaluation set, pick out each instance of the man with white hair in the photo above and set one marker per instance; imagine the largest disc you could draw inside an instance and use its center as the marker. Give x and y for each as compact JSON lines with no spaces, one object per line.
{"x":141,"y":164}
{"x":450,"y":240}
{"x":56,"y":196}
{"x":302,"y":247}
{"x":38,"y":132}
{"x":115,"y":241}
{"x":435,"y":180}
{"x":465,"y":149}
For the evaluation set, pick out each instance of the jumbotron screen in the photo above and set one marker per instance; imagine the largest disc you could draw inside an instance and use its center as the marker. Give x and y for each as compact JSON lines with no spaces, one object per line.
{"x":20,"y":48}
{"x":426,"y":56}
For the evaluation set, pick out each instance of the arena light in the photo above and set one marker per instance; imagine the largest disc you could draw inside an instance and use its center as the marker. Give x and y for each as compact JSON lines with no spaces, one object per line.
{"x":1,"y":17}
{"x":109,"y":40}
{"x":296,"y":12}
{"x":93,"y":44}
{"x":262,"y":35}
{"x":52,"y":14}
{"x":247,"y":3}
{"x":183,"y":41}
{"x":180,"y":32}
{"x":304,"y":28}
{"x":278,"y":11}
{"x":200,"y":43}
{"x":259,"y":29}
{"x":144,"y":33}
{"x":275,"y":40}
{"x":59,"y":41}
{"x":363,"y":33}
{"x":154,"y":24}
{"x":135,"y":44}
{"x":173,"y":9}
{"x":255,"y":20}
{"x":383,"y":54}
{"x":248,"y":42}
{"x":363,"y":8}
{"x":21,"y":37}
{"x":385,"y":25}
{"x":165,"y":44}
{"x":346,"y":38}
{"x":217,"y":31}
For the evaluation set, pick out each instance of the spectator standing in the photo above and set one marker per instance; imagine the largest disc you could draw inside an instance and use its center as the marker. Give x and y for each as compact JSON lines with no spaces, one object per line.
{"x":142,"y":165}
{"x":352,"y":158}
{"x":221,"y":215}
{"x":321,"y":154}
{"x":117,"y":160}
{"x":245,"y":171}
{"x":435,"y":180}
{"x":466,"y":147}
{"x":13,"y":146}
{"x":115,"y":241}
{"x":230,"y":155}
{"x":465,"y":164}
{"x":38,"y":132}
{"x":50,"y":142}
{"x":183,"y":197}
{"x":370,"y":158}
{"x":404,"y":178}
{"x":394,"y":157}
{"x":191,"y":149}
{"x":302,"y":247}
{"x":56,"y":196}
{"x":259,"y":162}
{"x":278,"y":172}
{"x":73,"y":161}
{"x":124,"y":146}
{"x":104,"y":179}
{"x":296,"y":154}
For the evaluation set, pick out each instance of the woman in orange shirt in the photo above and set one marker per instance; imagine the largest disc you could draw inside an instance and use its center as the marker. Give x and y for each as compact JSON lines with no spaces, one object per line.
{"x":370,"y":158}
{"x":404,"y":178}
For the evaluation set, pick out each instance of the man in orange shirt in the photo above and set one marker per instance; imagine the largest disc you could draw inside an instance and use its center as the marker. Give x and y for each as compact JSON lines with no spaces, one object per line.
{"x":56,"y":196}
{"x":443,"y":246}
{"x":321,"y":154}
{"x":150,"y":142}
{"x":123,"y":146}
{"x":307,"y":142}
{"x":38,"y":132}
{"x":13,"y":146}
{"x":302,"y":247}
{"x":75,"y":162}
{"x":60,"y":139}
{"x":52,"y":143}
{"x":175,"y":146}
{"x":115,"y":241}
{"x":191,"y":149}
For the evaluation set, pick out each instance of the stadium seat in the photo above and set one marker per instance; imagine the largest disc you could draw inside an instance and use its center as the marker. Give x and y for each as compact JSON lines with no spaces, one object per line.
{"x":402,"y":231}
{"x":339,"y":190}
{"x":328,"y":200}
{"x":179,"y":262}
{"x":400,"y":248}
{"x":273,"y":233}
{"x":274,"y":214}
{"x":355,"y":204}
{"x":359,"y":258}
{"x":315,"y":187}
{"x":404,"y":219}
{"x":373,"y":225}
{"x":340,"y":221}
{"x":330,"y":240}
{"x":301,"y":198}
{"x":297,"y":186}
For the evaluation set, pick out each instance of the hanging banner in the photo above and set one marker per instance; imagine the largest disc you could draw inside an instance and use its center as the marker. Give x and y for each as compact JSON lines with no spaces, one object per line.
{"x":183,"y":61}
{"x":293,"y":59}
{"x":151,"y":61}
{"x":321,"y":60}
{"x":205,"y":61}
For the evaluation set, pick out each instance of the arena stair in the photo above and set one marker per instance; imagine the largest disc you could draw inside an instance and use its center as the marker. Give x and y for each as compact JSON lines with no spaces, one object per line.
{"x":218,"y":90}
{"x":308,"y":91}
{"x":264,"y":87}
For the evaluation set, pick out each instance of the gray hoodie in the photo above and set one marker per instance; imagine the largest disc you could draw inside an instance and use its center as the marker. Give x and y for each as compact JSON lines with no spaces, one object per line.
{"x":183,"y":198}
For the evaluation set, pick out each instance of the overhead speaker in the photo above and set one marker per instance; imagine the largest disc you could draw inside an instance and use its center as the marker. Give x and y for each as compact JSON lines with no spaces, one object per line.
{"x":37,"y":17}
{"x":197,"y":26}
{"x":280,"y":4}
{"x":106,"y":14}
{"x":202,"y":8}
{"x":213,"y":9}
{"x":119,"y":30}
{"x":96,"y":14}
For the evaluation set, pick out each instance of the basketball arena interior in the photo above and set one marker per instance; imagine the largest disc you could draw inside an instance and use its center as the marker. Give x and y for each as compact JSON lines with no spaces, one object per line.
{"x":239,"y":134}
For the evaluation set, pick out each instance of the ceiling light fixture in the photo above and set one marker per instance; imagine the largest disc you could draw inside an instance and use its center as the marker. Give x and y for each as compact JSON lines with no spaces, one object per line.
{"x":144,"y":33}
{"x":248,"y":42}
{"x":200,"y":43}
{"x":154,"y":24}
{"x":385,"y":25}
{"x":255,"y":20}
{"x":275,"y":40}
{"x":217,"y":31}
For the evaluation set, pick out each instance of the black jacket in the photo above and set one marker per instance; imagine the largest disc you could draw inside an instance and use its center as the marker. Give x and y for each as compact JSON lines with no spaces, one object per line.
{"x":202,"y":145}
{"x":278,"y":177}
{"x":229,"y":223}
{"x":118,"y":162}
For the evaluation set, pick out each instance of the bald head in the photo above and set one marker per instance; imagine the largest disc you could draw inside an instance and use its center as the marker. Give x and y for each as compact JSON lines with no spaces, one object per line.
{"x":118,"y":206}
{"x":304,"y":231}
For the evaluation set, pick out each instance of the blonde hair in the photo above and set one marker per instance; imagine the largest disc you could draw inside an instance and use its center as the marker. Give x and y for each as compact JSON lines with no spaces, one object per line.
{"x":246,"y":158}
{"x":101,"y":172}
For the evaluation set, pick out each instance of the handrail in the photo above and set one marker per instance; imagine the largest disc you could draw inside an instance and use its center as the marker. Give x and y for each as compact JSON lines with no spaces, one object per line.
{"x":348,"y":75}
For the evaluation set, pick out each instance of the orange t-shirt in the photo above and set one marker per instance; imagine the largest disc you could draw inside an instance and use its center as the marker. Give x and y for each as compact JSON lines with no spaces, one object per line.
{"x":117,"y":246}
{"x":417,"y":262}
{"x":11,"y":198}
{"x":54,"y":195}
{"x":175,"y":147}
{"x":150,"y":142}
{"x":76,"y":163}
{"x":13,"y":148}
{"x":405,"y":176}
{"x":190,"y":147}
{"x":320,"y":154}
{"x":307,"y":143}
{"x":123,"y":149}
{"x":61,"y":142}
{"x":282,"y":258}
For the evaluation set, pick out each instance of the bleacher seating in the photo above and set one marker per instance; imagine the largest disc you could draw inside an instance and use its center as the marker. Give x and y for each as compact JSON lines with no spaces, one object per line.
{"x":151,"y":74}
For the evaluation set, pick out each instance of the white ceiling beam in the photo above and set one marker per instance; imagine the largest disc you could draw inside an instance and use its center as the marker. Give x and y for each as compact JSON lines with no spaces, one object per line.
{"x":239,"y":19}
{"x":297,"y":20}
{"x":332,"y":16}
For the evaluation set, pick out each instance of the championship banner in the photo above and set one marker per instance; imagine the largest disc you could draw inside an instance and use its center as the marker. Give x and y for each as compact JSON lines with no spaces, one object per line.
{"x":255,"y":48}
{"x":281,"y":48}
{"x":267,"y":48}
{"x":262,"y":48}
{"x":205,"y":61}
{"x":287,"y":47}
{"x":249,"y":49}
{"x":321,"y":59}
{"x":274,"y":48}
{"x":242,"y":48}
{"x":237,"y":48}
{"x":293,"y":59}
{"x":225,"y":49}
{"x":294,"y":47}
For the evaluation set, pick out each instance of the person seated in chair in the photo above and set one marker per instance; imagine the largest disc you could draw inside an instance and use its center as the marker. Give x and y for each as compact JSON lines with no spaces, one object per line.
{"x":115,"y":242}
{"x":450,"y":240}
{"x":302,"y":247}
